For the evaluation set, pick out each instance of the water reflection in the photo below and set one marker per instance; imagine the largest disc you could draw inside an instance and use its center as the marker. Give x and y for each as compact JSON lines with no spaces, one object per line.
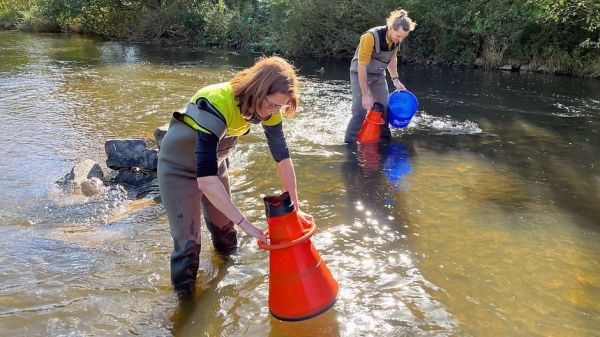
{"x":397,"y":165}
{"x":191,"y":313}
{"x":385,"y":164}
{"x":325,"y":325}
{"x":385,"y":288}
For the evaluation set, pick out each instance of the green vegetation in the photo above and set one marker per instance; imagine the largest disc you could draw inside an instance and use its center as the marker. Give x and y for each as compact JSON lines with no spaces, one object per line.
{"x":555,"y":36}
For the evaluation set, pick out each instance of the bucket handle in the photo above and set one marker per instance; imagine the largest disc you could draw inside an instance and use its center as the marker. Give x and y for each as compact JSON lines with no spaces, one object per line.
{"x":308,"y":232}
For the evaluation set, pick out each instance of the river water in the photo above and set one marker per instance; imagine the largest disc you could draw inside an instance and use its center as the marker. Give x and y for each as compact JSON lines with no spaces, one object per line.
{"x":481,"y":218}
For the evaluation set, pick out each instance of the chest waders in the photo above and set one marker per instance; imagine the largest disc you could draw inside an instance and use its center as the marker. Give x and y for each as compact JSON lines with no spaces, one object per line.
{"x":378,"y":87}
{"x":181,"y":197}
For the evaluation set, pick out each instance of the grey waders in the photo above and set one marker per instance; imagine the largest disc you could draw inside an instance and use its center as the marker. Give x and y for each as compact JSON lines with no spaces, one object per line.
{"x":378,"y":87}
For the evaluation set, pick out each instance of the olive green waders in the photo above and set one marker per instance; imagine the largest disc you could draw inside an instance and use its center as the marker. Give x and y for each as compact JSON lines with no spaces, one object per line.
{"x":184,"y":202}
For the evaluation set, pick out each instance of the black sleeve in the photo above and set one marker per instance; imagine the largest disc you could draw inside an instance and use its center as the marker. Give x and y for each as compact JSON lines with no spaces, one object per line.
{"x":276,"y":141}
{"x":206,"y":154}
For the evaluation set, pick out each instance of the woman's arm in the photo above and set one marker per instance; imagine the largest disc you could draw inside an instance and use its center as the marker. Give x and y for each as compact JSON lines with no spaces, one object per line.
{"x":392,"y":68}
{"x":287,"y":174}
{"x":367,"y":99}
{"x":215,"y":192}
{"x":209,"y":183}
{"x":285,"y":166}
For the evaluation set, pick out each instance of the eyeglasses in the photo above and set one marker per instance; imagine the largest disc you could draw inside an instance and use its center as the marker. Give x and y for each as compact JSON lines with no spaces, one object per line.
{"x":277,"y":107}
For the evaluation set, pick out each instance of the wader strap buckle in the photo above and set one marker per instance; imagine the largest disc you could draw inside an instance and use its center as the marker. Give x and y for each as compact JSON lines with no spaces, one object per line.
{"x":204,"y":119}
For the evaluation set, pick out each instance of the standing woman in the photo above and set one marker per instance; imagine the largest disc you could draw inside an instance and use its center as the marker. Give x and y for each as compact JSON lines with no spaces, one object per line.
{"x":192,"y":165}
{"x":375,"y":53}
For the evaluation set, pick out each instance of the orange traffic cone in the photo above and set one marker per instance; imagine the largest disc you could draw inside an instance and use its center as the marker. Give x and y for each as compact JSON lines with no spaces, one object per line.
{"x":370,"y":130}
{"x":300,"y":285}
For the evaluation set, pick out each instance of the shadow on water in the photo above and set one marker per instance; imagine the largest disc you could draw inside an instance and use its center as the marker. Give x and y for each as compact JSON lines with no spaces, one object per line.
{"x":552,"y":142}
{"x":374,"y":174}
{"x":381,"y":254}
{"x":324,"y":325}
{"x":565,"y":176}
{"x":191,"y":311}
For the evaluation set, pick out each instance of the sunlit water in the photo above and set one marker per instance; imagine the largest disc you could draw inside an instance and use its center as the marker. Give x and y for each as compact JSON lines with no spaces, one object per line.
{"x":479,"y":219}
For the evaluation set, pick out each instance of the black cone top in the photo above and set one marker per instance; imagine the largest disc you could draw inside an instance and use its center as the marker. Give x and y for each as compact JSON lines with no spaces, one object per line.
{"x":377,"y":107}
{"x":278,"y":205}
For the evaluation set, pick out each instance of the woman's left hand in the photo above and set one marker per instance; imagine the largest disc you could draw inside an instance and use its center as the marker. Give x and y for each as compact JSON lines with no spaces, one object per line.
{"x":399,"y":86}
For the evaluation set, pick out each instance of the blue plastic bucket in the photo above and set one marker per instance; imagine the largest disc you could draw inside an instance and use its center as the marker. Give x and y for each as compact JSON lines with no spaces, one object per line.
{"x":402,"y":107}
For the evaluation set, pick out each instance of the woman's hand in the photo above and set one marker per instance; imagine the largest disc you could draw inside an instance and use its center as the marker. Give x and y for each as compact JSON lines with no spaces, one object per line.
{"x":305,"y":218}
{"x":399,"y":86}
{"x":367,"y":102}
{"x":253,"y":231}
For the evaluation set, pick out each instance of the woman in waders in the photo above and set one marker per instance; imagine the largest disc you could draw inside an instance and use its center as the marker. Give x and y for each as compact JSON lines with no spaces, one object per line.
{"x":192,"y":166}
{"x":375,"y":53}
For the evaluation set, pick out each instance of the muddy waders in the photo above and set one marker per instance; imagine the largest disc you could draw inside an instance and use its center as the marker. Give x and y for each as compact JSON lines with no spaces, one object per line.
{"x":184,"y":202}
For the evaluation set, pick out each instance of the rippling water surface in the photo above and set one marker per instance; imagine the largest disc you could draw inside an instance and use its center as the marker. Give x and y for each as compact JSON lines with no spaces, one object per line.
{"x":478,"y":219}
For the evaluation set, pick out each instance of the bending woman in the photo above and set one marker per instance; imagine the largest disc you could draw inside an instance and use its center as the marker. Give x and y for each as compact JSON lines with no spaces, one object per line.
{"x":192,"y":165}
{"x":376,"y":52}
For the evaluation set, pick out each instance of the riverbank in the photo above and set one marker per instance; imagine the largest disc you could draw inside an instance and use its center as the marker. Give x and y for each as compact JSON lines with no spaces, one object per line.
{"x":480,"y":63}
{"x":534,"y":35}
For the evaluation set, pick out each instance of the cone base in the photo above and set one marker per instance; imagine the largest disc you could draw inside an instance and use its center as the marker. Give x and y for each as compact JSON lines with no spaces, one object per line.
{"x":302,"y":318}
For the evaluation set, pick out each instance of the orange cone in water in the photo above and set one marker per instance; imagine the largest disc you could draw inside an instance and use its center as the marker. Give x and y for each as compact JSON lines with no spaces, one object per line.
{"x":370,"y":131}
{"x":300,"y":285}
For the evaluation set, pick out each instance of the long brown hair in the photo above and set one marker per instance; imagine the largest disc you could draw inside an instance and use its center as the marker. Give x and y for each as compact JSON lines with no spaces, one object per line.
{"x":269,"y":75}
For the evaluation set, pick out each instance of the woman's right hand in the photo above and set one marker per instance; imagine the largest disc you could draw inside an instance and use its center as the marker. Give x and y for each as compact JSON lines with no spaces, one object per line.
{"x":253,"y":231}
{"x":367,"y":102}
